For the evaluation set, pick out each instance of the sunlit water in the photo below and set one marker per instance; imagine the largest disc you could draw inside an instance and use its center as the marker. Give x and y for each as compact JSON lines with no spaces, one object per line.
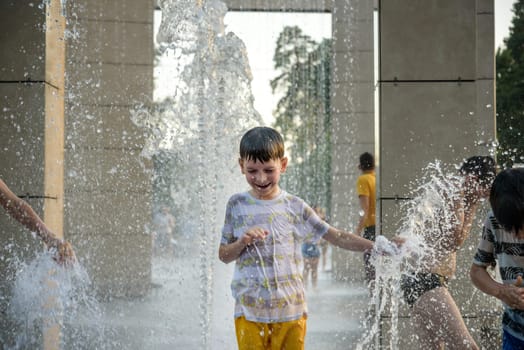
{"x":199,"y":125}
{"x":47,"y":295}
{"x":427,"y":216}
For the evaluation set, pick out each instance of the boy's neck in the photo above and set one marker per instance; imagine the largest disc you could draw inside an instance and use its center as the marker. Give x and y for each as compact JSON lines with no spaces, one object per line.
{"x":271,"y":197}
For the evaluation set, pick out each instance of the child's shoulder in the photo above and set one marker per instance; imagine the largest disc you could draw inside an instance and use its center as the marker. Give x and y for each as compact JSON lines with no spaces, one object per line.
{"x":492,"y":222}
{"x":291,"y":198}
{"x":238,"y":198}
{"x":238,"y":195}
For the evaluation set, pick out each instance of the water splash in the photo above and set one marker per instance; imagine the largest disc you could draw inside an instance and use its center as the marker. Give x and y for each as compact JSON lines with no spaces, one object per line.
{"x":46,"y":295}
{"x":427,"y":217}
{"x":201,"y":120}
{"x":212,"y":84}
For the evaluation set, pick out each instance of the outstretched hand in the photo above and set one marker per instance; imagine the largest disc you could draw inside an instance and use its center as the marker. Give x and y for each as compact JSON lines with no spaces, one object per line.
{"x":63,"y":252}
{"x":384,"y":246}
{"x":398,"y":240}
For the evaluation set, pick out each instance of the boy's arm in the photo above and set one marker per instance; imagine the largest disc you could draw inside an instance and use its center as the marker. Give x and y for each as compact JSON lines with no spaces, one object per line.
{"x":364,"y":205}
{"x":347,"y":240}
{"x":464,"y":210}
{"x":511,"y":295}
{"x":470,"y":209}
{"x":230,"y":252}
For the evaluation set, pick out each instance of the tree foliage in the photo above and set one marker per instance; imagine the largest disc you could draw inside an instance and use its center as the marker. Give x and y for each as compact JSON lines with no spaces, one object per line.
{"x":510,"y":92}
{"x":303,"y":113}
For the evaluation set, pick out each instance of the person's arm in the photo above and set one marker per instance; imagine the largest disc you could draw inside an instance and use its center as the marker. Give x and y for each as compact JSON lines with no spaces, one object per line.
{"x":364,"y":206}
{"x":230,"y":252}
{"x":470,"y":209}
{"x":464,"y":209}
{"x":347,"y":240}
{"x":19,"y":210}
{"x":22,"y":212}
{"x":511,"y":295}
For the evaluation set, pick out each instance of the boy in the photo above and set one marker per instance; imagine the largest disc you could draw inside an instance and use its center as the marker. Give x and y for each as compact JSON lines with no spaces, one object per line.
{"x":24,"y":214}
{"x":503,"y":240}
{"x":263,"y":232}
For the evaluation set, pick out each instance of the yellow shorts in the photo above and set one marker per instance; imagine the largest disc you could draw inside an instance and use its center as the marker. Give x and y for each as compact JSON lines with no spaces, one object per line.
{"x":270,"y":336}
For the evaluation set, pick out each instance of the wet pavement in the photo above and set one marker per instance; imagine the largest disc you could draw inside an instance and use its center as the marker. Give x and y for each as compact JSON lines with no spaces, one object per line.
{"x":173,"y":315}
{"x":336,"y":314}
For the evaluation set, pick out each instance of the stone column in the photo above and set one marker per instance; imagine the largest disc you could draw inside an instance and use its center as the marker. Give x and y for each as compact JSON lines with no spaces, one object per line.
{"x":107,"y":183}
{"x":353,"y":120}
{"x":54,"y":117}
{"x":436,"y":102}
{"x":32,"y":132}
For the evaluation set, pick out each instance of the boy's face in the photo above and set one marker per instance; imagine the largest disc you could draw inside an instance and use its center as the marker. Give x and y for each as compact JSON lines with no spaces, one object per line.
{"x":263,"y":177}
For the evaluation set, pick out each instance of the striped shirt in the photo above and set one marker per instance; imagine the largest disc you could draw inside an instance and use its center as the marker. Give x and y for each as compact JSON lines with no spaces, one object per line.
{"x":267,"y":282}
{"x":499,"y":244}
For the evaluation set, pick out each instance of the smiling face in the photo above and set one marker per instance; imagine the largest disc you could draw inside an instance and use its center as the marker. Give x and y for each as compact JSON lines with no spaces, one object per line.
{"x":263,"y":177}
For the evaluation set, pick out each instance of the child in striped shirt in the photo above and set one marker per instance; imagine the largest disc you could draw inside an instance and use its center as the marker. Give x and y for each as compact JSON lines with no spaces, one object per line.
{"x":503,"y":240}
{"x":263,"y":233}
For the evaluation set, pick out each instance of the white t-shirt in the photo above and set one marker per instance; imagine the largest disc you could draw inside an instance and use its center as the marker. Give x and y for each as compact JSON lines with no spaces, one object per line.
{"x":267,"y":282}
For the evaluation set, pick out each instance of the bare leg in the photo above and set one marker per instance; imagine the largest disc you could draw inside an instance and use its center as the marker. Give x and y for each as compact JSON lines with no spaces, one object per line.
{"x":305,"y":274}
{"x":439,"y":323}
{"x":324,"y":248}
{"x":314,"y":272}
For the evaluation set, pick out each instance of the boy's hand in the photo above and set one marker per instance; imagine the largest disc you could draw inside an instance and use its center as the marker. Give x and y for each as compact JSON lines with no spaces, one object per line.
{"x":386,"y":247}
{"x":398,"y":240}
{"x":254,"y":234}
{"x":513,"y":294}
{"x":518,"y":282}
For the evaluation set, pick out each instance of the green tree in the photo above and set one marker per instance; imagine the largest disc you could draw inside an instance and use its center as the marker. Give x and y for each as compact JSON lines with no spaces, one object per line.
{"x":303,"y":114}
{"x":510,"y":92}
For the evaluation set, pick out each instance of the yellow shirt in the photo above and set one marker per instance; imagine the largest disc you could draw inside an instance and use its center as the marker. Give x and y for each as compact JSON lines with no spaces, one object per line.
{"x":366,"y":187}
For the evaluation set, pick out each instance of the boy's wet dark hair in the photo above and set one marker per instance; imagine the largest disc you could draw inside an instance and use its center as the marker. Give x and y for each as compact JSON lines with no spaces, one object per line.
{"x":507,"y":199}
{"x":367,"y":161}
{"x":262,"y":144}
{"x":481,"y":166}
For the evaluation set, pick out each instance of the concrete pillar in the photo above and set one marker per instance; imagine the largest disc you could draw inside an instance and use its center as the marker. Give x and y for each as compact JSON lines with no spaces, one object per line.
{"x":54,"y":117}
{"x":107,"y":183}
{"x":436,"y":102}
{"x":353,"y":120}
{"x":31,"y":125}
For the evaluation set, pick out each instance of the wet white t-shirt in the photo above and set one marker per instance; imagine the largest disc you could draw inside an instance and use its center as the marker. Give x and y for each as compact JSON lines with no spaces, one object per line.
{"x":267,"y":282}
